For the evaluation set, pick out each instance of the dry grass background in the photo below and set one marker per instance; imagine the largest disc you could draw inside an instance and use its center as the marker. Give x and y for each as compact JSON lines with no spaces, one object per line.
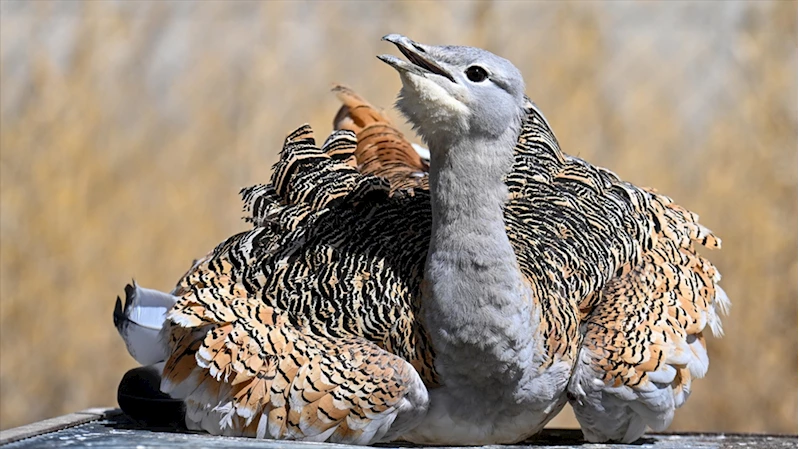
{"x":128,"y":128}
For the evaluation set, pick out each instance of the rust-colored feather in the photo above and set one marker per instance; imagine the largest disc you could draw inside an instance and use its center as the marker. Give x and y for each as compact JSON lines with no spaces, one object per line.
{"x":382,"y":150}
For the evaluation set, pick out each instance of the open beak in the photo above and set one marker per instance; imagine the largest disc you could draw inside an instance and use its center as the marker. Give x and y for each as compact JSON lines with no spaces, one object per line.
{"x":419,"y":61}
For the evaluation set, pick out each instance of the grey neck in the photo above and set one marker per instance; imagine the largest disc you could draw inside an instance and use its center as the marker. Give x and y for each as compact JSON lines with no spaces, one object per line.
{"x":477,"y":306}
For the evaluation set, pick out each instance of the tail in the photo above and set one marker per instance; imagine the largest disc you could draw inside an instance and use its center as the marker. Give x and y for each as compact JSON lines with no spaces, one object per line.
{"x":382,"y":150}
{"x":140,"y":321}
{"x":356,"y":114}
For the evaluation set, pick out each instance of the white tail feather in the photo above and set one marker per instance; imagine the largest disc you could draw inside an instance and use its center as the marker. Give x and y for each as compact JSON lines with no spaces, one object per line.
{"x":140,"y":321}
{"x":423,"y":152}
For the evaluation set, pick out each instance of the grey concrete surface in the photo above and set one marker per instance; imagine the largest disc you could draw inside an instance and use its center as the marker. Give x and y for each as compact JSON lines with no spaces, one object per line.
{"x":109,"y":428}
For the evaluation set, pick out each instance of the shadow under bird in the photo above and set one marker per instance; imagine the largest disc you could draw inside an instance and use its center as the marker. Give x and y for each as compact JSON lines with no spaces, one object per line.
{"x":378,"y":298}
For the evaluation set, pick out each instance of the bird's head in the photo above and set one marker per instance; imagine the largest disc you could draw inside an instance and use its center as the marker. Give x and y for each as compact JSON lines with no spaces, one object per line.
{"x":452,"y":90}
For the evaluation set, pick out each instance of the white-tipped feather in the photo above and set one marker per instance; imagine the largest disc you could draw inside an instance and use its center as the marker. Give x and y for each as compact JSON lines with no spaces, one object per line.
{"x":140,"y":321}
{"x":423,"y":152}
{"x":665,"y":375}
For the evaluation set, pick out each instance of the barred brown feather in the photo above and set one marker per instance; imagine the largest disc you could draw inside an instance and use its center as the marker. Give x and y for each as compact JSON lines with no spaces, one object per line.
{"x":382,"y":150}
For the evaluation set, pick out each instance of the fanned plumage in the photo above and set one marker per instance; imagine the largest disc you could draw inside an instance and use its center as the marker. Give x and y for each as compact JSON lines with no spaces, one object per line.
{"x":644,"y":339}
{"x":292,"y":364}
{"x":637,"y":287}
{"x":308,"y":326}
{"x":335,"y":259}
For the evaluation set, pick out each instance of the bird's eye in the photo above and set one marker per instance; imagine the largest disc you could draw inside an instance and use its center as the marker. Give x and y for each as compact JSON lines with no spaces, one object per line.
{"x":476,"y":74}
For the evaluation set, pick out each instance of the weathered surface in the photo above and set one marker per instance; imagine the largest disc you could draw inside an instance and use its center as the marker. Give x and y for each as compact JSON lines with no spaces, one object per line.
{"x":108,"y":428}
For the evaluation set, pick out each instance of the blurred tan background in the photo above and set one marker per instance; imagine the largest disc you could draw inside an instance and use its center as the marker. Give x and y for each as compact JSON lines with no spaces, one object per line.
{"x":129,"y":127}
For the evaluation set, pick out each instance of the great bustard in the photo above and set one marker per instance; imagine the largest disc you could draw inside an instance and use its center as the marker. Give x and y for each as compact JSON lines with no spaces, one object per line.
{"x":363,"y":306}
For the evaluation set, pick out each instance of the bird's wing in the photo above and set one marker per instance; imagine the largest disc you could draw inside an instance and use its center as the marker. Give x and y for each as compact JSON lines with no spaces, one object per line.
{"x":572,"y":225}
{"x":382,"y":150}
{"x":309,"y":182}
{"x":645,"y":331}
{"x":333,"y":246}
{"x":300,"y":328}
{"x":624,"y":295}
{"x":244,"y":369}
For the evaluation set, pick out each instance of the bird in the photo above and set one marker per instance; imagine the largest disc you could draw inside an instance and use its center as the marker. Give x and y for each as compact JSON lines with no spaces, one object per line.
{"x":460,"y":301}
